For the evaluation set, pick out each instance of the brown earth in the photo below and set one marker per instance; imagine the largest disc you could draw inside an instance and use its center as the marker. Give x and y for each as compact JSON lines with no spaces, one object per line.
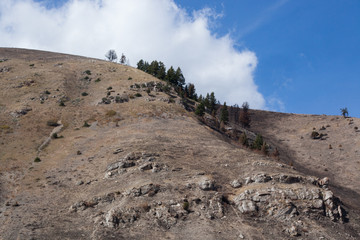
{"x":146,"y":168}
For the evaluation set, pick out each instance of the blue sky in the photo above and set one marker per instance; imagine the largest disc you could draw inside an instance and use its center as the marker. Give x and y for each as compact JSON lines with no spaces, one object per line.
{"x":292,"y":56}
{"x":308,"y":51}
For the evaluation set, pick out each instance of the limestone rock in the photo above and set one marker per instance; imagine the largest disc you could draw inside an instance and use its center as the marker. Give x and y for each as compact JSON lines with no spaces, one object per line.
{"x":236,"y":183}
{"x":146,"y":166}
{"x":207,"y":184}
{"x":247,"y":206}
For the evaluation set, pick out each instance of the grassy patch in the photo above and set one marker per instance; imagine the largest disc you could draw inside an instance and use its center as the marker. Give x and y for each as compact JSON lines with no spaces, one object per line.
{"x":4,"y":127}
{"x":110,"y":113}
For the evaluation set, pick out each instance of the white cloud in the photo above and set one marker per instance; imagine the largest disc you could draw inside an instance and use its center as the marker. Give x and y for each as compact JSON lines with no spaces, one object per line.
{"x":147,"y":29}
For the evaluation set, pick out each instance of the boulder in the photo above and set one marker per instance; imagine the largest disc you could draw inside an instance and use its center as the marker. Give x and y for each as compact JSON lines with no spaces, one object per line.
{"x":236,"y":183}
{"x":207,"y":184}
{"x":247,"y":206}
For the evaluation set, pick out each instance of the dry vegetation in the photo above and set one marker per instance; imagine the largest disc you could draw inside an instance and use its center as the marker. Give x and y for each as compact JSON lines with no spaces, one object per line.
{"x":142,"y":167}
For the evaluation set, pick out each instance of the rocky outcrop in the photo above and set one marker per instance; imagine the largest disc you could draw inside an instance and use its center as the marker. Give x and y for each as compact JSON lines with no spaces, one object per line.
{"x":144,"y":161}
{"x":284,"y":197}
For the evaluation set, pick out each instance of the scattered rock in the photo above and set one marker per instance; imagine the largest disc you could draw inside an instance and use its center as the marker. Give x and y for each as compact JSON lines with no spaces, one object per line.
{"x":146,"y":166}
{"x":80,"y":183}
{"x":324,"y":182}
{"x":21,"y":112}
{"x":293,"y":231}
{"x":247,"y":206}
{"x":207,"y":184}
{"x":236,"y":183}
{"x":119,"y":150}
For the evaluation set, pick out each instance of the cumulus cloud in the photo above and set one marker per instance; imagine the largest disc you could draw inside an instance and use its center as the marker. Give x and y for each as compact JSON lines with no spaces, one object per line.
{"x":141,"y":29}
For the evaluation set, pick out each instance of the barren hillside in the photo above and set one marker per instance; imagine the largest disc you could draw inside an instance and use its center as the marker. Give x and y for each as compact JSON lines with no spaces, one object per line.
{"x":96,"y":150}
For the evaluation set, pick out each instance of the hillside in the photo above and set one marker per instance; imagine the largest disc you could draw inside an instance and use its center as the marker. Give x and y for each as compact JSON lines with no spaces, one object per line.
{"x":128,"y":161}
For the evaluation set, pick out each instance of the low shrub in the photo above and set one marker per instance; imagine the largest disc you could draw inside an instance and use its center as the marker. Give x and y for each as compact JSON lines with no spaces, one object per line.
{"x":244,"y":140}
{"x":186,"y":206}
{"x":106,"y":100}
{"x":84,"y":94}
{"x":315,"y":135}
{"x":62,"y":104}
{"x":86,"y":124}
{"x":47,"y":92}
{"x":98,"y":80}
{"x":130,"y":78}
{"x":37,"y":159}
{"x":52,"y":123}
{"x":258,"y":143}
{"x":56,"y":136}
{"x":110,"y":113}
{"x":88,"y":72}
{"x":109,"y":88}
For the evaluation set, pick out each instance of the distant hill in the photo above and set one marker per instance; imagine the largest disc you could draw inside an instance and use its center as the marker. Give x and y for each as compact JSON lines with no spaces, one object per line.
{"x":91,"y":149}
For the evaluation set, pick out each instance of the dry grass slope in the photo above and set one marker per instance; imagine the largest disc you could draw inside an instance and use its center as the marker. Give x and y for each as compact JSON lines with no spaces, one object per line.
{"x":126,"y":166}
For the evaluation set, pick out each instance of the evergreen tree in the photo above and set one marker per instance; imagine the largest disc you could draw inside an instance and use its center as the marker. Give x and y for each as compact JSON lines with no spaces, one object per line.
{"x":245,"y":115}
{"x":224,"y":116}
{"x":191,"y":91}
{"x":212,"y":102}
{"x":258,"y":143}
{"x":186,"y":91}
{"x":171,"y":76}
{"x":123,"y":59}
{"x":111,"y":55}
{"x":344,"y":112}
{"x":180,"y":79}
{"x":153,"y":68}
{"x":140,"y":65}
{"x":146,"y":67}
{"x":200,"y":109}
{"x":207,"y":102}
{"x":161,"y":73}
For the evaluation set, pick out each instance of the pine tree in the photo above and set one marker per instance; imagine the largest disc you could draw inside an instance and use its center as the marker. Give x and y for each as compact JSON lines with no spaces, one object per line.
{"x":258,"y":143}
{"x":207,"y":102}
{"x":224,"y":116}
{"x":212,"y":102}
{"x":244,"y":117}
{"x":200,"y":109}
{"x":180,"y":79}
{"x":123,"y":59}
{"x":171,"y":76}
{"x":111,"y":55}
{"x":191,"y":91}
{"x":153,"y":68}
{"x":140,"y":65}
{"x":161,"y":73}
